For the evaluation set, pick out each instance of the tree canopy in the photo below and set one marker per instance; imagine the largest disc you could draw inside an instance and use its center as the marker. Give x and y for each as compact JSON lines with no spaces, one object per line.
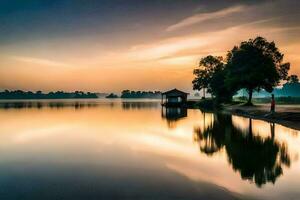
{"x":255,"y":64}
{"x":211,"y":74}
{"x":208,"y":66}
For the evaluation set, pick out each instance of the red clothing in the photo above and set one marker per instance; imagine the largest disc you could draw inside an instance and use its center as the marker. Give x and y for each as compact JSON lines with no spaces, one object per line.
{"x":273,"y":103}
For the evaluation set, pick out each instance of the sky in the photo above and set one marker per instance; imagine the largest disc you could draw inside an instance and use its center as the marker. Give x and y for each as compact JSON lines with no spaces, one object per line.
{"x":112,"y":45}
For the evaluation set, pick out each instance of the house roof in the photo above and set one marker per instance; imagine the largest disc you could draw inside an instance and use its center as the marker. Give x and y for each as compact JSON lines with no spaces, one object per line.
{"x":174,"y":92}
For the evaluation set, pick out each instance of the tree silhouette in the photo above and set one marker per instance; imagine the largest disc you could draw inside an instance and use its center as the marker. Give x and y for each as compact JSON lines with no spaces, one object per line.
{"x":204,"y":73}
{"x":140,"y":94}
{"x":19,"y":94}
{"x":255,"y":64}
{"x":218,"y":89}
{"x":111,"y":96}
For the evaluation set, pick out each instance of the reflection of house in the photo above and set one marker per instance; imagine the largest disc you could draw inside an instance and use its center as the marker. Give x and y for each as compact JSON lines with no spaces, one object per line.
{"x":174,"y":98}
{"x":173,"y":114}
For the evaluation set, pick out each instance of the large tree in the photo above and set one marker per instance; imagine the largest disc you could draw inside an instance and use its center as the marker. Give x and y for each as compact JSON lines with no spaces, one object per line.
{"x":255,"y":64}
{"x":218,"y":88}
{"x":204,"y":73}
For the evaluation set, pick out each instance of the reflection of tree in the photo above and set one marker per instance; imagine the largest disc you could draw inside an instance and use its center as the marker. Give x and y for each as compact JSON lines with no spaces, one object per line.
{"x":211,"y":138}
{"x":51,"y":104}
{"x":131,"y":105}
{"x":257,"y":159}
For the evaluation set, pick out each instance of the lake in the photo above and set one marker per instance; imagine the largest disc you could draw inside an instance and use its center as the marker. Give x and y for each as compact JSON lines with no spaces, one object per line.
{"x":134,"y":149}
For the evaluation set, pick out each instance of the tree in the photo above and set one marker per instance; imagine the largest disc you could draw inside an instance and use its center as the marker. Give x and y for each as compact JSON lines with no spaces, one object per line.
{"x":293,"y":79}
{"x":204,"y":73}
{"x":218,"y":88}
{"x":255,"y":64}
{"x":125,"y":94}
{"x":111,"y":96}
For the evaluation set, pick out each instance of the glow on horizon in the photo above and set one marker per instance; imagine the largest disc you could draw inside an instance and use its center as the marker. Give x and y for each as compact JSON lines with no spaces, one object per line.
{"x":166,"y":60}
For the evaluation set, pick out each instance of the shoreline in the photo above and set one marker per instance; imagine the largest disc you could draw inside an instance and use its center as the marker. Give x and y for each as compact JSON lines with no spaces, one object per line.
{"x":286,"y":115}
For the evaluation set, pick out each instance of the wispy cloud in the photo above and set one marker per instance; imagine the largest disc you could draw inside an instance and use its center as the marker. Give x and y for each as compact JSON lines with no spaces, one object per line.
{"x":166,"y":47}
{"x":194,"y":19}
{"x":186,"y":50}
{"x":39,"y":61}
{"x":182,"y":50}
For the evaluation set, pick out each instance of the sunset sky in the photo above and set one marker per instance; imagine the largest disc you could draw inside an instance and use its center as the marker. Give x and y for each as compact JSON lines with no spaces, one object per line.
{"x":111,"y":45}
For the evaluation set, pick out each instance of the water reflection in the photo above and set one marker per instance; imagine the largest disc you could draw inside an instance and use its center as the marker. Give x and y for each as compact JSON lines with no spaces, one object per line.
{"x":173,"y":114}
{"x":128,"y":105}
{"x":135,"y":150}
{"x":78,"y":104}
{"x":42,"y":104}
{"x":256,"y":158}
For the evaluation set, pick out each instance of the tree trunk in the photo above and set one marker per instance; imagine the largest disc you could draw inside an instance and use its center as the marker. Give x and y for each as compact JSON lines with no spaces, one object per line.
{"x":250,"y":134}
{"x":272,"y":131}
{"x":250,"y":92}
{"x":203,"y":93}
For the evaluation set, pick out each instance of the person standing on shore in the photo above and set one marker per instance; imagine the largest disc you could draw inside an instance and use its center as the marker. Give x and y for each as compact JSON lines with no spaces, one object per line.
{"x":273,"y":104}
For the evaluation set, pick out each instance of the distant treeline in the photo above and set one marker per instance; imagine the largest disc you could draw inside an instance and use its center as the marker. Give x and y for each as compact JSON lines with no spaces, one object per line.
{"x":19,"y":94}
{"x":288,"y":90}
{"x":141,"y":94}
{"x":112,"y":96}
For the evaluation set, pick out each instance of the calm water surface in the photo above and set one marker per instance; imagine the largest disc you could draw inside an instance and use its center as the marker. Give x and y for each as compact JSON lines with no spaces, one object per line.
{"x":99,"y":149}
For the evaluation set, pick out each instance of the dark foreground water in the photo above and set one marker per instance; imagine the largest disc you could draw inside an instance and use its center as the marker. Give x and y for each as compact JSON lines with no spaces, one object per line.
{"x":98,"y":149}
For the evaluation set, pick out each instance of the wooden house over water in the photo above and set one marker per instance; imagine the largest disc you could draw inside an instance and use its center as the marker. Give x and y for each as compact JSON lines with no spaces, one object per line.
{"x":174,"y":98}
